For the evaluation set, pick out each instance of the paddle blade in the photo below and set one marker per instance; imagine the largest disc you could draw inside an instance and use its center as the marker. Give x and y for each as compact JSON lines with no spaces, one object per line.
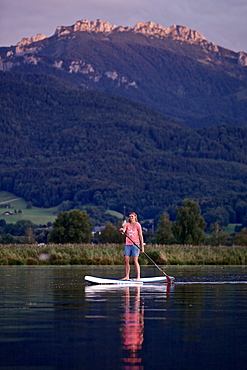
{"x":170,"y":279}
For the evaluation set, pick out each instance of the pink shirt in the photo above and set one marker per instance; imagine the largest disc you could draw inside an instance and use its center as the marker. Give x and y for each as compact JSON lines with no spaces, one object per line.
{"x":133,"y":233}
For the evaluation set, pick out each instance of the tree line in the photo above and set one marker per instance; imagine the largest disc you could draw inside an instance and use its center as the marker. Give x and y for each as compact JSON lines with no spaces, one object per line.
{"x":75,"y":226}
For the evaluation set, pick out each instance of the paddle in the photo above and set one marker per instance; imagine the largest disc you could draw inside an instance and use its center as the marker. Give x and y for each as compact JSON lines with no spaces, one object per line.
{"x":150,"y":259}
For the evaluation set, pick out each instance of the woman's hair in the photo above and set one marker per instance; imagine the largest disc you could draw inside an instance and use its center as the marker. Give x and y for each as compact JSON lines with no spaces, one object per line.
{"x":134,"y":214}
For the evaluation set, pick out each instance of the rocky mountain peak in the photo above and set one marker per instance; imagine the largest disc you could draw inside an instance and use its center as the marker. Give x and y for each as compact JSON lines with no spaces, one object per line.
{"x":149,"y":29}
{"x":25,"y":42}
{"x":86,"y":26}
{"x":175,"y":32}
{"x":94,"y":26}
{"x":146,"y":28}
{"x":242,"y":59}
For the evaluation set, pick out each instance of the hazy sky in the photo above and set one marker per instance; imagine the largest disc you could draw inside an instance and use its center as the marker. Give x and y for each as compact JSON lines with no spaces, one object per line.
{"x":223,"y":22}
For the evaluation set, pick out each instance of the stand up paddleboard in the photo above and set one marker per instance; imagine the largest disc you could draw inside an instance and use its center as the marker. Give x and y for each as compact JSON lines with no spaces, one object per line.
{"x":147,"y":280}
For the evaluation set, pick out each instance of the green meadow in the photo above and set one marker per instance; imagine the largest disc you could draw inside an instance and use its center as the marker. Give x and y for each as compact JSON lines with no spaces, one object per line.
{"x":39,"y":216}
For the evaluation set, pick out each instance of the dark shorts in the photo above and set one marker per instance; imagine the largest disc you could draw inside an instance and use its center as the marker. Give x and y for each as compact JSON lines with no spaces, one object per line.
{"x":131,"y":251}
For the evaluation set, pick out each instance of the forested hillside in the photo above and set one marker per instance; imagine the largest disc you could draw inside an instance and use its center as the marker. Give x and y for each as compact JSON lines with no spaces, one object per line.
{"x":62,"y":144}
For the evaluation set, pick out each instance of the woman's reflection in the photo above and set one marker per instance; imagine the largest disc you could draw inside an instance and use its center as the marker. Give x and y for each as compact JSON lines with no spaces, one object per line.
{"x":132,"y":328}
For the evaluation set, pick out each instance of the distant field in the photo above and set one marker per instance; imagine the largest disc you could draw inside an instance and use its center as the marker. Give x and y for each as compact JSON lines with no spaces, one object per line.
{"x":115,"y":214}
{"x":39,"y":216}
{"x":231,"y":228}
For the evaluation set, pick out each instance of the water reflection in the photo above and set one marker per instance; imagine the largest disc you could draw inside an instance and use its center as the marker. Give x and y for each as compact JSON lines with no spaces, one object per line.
{"x":129,"y":318}
{"x":132,"y":328}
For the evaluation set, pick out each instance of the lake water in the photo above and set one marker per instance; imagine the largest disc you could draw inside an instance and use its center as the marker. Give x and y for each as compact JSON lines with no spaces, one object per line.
{"x":51,"y":319}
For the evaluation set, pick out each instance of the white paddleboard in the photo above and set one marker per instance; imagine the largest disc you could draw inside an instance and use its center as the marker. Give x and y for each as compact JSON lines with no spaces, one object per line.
{"x":98,"y":280}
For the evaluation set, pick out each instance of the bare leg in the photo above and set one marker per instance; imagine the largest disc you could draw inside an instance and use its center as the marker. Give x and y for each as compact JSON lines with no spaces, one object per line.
{"x":127,"y":267}
{"x":137,"y":267}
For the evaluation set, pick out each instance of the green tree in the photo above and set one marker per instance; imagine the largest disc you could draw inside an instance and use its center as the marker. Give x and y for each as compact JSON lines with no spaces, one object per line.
{"x":218,"y":214}
{"x":217,"y":237}
{"x":71,"y":227}
{"x":241,"y":237}
{"x":190,"y":225}
{"x":111,"y":234}
{"x":19,"y":228}
{"x":8,"y":239}
{"x":164,"y":234}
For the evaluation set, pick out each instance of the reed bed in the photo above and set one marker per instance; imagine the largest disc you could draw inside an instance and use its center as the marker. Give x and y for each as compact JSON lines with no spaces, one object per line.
{"x":112,"y":254}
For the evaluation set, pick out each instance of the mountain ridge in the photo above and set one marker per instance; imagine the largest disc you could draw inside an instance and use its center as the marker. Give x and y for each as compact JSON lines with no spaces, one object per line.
{"x":149,"y":29}
{"x":176,"y":32}
{"x":174,"y":70}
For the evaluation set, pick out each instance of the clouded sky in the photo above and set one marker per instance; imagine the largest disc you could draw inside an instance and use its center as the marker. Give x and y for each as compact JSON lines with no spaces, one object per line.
{"x":220,"y":21}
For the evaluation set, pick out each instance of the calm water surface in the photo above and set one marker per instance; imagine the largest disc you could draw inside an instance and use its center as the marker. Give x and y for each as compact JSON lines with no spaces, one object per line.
{"x":51,"y":319}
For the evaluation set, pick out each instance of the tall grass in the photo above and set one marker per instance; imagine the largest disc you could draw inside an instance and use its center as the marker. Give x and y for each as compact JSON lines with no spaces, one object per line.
{"x":110,"y":254}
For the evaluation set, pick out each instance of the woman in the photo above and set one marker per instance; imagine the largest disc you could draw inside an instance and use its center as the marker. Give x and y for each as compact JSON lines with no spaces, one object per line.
{"x":133,"y":232}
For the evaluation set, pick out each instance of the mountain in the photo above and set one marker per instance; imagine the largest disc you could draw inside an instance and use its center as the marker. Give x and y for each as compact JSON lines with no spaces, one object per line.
{"x":63,"y":143}
{"x":174,"y":71}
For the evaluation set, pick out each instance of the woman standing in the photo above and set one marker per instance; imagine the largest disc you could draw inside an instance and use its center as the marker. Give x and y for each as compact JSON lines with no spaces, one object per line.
{"x":133,"y":232}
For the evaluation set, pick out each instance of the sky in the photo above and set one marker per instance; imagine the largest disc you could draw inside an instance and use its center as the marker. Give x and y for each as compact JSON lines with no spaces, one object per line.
{"x":223,"y":22}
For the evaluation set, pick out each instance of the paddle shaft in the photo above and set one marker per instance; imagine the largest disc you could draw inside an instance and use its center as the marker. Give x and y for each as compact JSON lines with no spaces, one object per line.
{"x":150,"y":259}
